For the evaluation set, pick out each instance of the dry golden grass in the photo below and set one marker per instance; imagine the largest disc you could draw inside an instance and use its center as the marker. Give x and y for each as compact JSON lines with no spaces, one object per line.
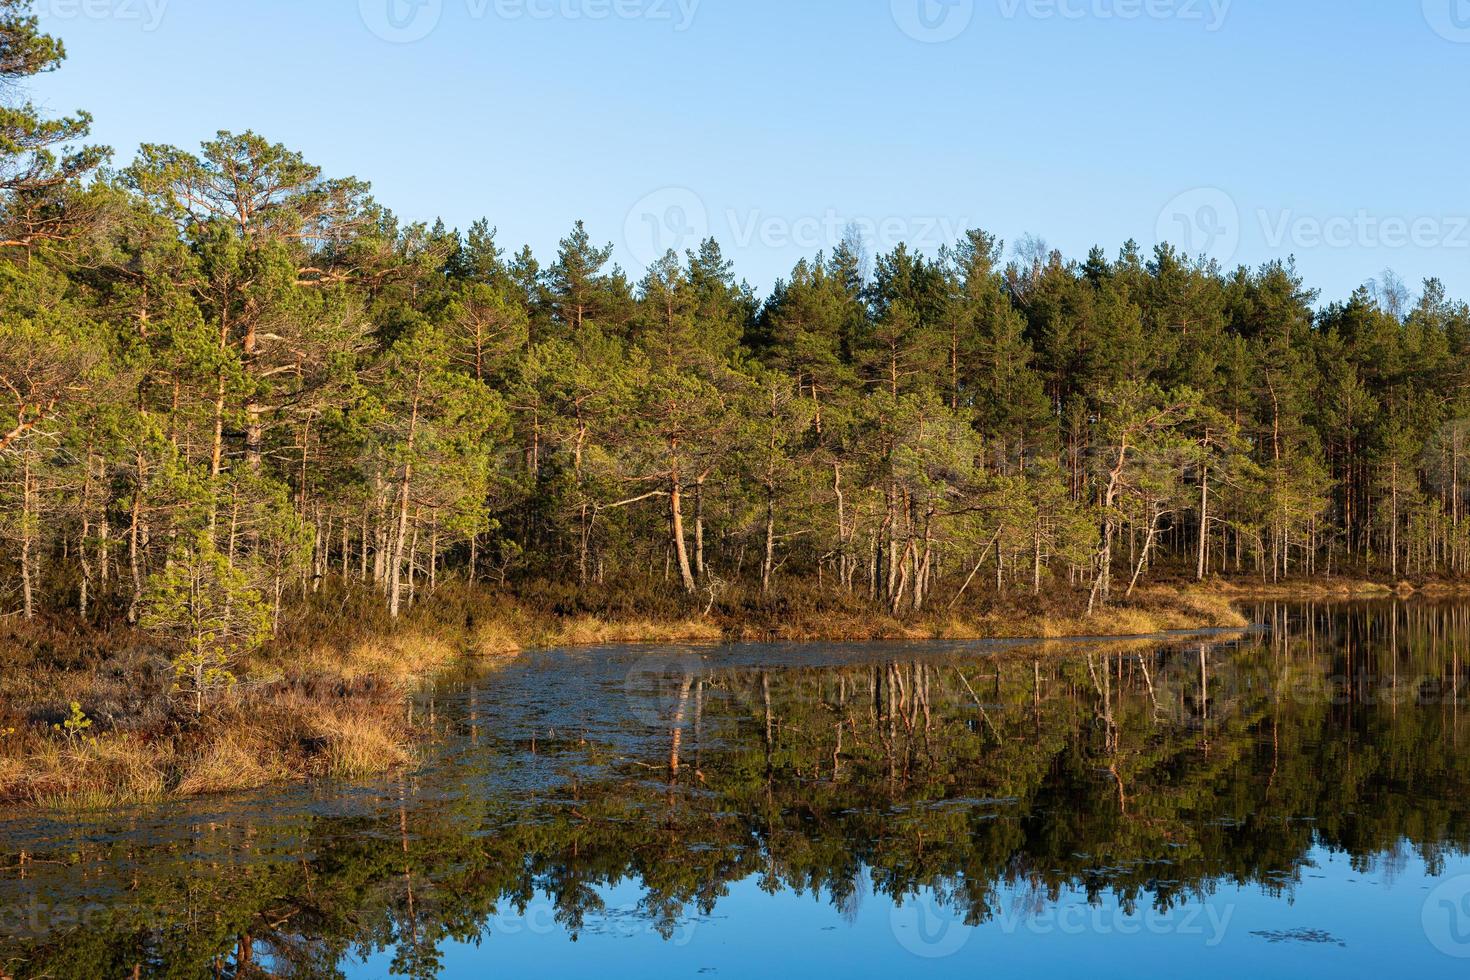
{"x":1299,"y":589}
{"x":288,"y":733}
{"x":1148,"y":612}
{"x":358,"y":744}
{"x":955,"y":629}
{"x":1438,"y":589}
{"x":1130,"y":621}
{"x":108,"y":771}
{"x":128,"y":762}
{"x":591,"y":631}
{"x":839,"y":625}
{"x":12,"y":771}
{"x":349,"y":743}
{"x":1106,"y":622}
{"x":495,"y":639}
{"x":231,"y":762}
{"x":400,"y":657}
{"x":1191,"y":607}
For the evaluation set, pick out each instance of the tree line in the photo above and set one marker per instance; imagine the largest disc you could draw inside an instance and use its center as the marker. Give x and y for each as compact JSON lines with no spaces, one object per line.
{"x":227,"y":378}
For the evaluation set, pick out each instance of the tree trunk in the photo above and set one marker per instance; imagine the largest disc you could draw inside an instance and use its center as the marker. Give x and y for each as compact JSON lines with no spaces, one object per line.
{"x":27,"y":533}
{"x":844,"y":560}
{"x":1393,"y":534}
{"x":924,"y":563}
{"x":676,"y":516}
{"x":769,"y":565}
{"x":1204,"y":525}
{"x":135,"y":558}
{"x":1102,"y":580}
{"x":1036,"y":561}
{"x":216,"y":459}
{"x":1148,"y":547}
{"x":413,"y":559}
{"x":362,"y":543}
{"x":84,"y":590}
{"x":400,"y":540}
{"x":395,"y":592}
{"x":699,"y":527}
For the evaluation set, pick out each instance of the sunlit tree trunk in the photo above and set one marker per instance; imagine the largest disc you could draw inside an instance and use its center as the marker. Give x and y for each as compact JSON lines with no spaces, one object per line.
{"x":699,"y":526}
{"x":676,"y":521}
{"x":27,"y":534}
{"x":1204,"y":525}
{"x":400,"y":539}
{"x":768,"y":566}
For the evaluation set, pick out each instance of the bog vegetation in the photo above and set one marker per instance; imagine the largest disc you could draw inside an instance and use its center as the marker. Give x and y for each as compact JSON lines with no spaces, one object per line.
{"x":229,"y":380}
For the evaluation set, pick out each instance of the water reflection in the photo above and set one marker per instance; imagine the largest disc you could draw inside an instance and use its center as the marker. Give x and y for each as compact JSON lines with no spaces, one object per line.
{"x":919,"y":793}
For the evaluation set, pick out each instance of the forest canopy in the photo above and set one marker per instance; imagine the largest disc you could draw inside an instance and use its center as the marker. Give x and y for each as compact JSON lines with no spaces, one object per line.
{"x":223,"y":360}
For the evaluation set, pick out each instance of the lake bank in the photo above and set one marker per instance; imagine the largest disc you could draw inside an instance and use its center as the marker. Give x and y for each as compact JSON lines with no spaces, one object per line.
{"x":88,"y":720}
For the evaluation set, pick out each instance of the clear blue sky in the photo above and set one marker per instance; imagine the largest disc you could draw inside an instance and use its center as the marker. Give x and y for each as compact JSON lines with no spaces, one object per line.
{"x":1332,"y":129}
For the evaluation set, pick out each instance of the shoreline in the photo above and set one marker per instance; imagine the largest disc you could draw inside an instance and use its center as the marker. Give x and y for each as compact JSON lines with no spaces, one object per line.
{"x":321,"y":703}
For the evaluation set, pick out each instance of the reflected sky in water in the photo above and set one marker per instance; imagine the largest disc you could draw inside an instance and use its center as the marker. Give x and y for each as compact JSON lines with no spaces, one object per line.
{"x":1292,"y":799}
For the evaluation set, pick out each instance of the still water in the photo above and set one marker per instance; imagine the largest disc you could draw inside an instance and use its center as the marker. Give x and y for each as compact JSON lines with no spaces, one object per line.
{"x":1290,"y":801}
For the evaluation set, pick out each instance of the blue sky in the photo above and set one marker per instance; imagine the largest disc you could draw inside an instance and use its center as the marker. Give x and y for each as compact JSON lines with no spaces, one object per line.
{"x":1249,"y":129}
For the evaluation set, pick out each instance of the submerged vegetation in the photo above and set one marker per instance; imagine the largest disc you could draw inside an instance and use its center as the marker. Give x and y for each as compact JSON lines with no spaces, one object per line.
{"x":237,"y":390}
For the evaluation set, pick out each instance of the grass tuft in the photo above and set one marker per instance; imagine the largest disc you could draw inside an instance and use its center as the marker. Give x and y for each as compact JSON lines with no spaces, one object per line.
{"x":359,"y":744}
{"x":230,"y":762}
{"x":495,"y":639}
